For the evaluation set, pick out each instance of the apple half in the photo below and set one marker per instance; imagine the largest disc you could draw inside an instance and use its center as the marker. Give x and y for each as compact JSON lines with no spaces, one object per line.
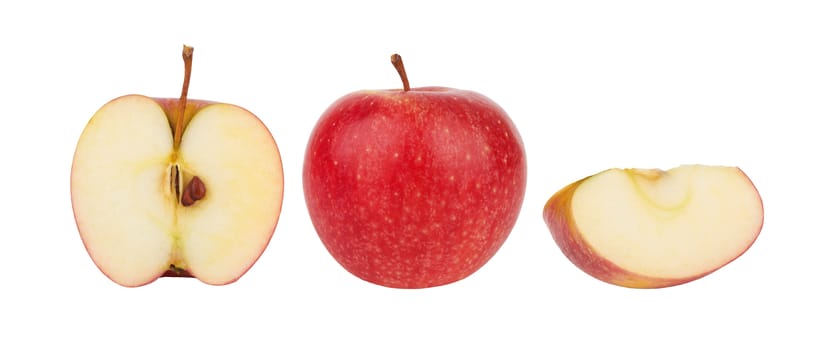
{"x":176,"y":188}
{"x":648,"y":228}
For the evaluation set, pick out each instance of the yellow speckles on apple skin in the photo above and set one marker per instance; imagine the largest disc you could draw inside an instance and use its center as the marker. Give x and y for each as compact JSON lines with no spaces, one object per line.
{"x":424,"y":204}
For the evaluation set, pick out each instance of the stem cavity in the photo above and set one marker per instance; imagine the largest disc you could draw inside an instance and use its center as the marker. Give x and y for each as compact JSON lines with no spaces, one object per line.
{"x":399,"y":66}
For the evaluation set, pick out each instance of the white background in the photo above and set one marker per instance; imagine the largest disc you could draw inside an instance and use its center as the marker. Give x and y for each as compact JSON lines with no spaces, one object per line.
{"x":590,"y":85}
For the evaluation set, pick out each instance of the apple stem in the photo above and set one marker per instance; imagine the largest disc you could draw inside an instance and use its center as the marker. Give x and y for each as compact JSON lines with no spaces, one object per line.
{"x":187,"y":75}
{"x":399,"y":66}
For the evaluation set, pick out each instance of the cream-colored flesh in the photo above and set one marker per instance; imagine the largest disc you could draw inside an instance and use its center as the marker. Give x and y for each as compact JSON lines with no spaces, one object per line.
{"x":676,"y":224}
{"x":121,"y":197}
{"x":236,"y":157}
{"x":126,"y":209}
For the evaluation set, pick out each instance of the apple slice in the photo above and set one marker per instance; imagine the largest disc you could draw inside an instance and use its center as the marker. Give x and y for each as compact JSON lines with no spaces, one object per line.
{"x":648,"y":228}
{"x":155,"y":194}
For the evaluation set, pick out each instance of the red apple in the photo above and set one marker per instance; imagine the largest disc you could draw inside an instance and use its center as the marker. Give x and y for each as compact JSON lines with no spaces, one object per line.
{"x":414,"y":188}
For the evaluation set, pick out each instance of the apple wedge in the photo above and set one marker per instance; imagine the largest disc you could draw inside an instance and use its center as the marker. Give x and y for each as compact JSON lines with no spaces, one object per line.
{"x":175,"y":187}
{"x":648,"y":228}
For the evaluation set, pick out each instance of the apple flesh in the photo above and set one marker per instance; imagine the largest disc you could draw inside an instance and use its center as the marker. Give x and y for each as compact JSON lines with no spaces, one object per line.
{"x":648,"y":228}
{"x":146,"y":207}
{"x":414,"y":188}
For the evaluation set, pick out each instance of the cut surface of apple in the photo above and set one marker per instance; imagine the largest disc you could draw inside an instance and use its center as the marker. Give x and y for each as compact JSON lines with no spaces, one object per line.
{"x":648,"y":228}
{"x":145,"y":207}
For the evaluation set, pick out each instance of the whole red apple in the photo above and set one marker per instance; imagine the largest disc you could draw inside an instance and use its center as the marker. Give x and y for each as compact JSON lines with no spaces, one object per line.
{"x":414,"y":188}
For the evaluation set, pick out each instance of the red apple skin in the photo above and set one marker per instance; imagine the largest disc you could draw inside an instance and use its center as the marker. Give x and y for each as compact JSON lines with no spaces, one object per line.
{"x":170,"y":107}
{"x":565,"y":233}
{"x":414,"y":189}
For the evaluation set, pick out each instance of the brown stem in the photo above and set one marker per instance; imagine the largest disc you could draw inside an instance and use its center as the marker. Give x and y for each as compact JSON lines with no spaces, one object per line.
{"x":187,"y":74}
{"x":399,"y":66}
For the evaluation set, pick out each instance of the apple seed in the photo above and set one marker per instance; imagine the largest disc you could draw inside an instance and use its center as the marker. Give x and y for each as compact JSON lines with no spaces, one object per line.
{"x":193,"y":192}
{"x":175,"y":180}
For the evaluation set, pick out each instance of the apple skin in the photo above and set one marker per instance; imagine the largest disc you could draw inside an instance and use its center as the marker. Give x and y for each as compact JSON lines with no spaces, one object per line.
{"x":565,"y":233}
{"x":414,"y":189}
